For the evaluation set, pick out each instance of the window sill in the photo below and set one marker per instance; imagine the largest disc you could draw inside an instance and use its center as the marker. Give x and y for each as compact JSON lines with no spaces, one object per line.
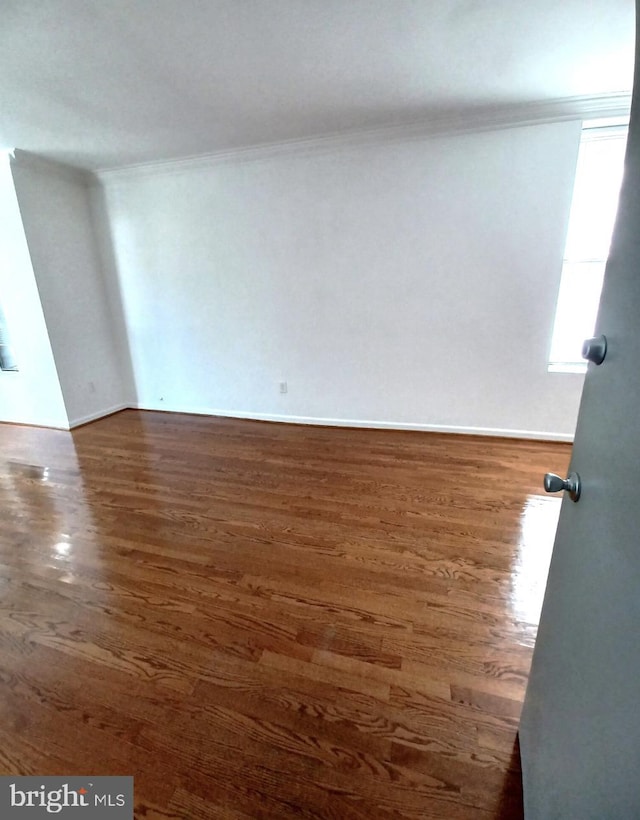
{"x":567,"y":367}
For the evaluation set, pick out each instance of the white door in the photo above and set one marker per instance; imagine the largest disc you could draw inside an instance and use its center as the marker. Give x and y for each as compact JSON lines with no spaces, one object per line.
{"x":580,"y":728}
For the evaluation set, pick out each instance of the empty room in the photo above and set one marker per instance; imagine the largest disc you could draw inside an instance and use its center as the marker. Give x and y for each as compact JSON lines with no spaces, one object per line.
{"x":318,"y":438}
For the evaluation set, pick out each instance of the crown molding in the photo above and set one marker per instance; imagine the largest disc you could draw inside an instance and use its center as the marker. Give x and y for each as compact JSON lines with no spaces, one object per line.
{"x":36,"y":162}
{"x":469,"y":120}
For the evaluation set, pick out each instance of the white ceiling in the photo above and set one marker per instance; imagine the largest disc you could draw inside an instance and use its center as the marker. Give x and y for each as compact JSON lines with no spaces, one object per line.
{"x":106,"y":83}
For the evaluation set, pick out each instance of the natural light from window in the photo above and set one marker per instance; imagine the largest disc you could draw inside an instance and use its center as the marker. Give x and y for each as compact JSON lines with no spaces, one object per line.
{"x":593,"y":212}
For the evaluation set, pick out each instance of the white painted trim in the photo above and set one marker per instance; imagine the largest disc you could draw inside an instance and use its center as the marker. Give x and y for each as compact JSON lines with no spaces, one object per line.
{"x":369,"y":424}
{"x":469,"y":120}
{"x":26,"y":159}
{"x":50,"y":425}
{"x":45,"y":423}
{"x":498,"y":432}
{"x":99,"y":414}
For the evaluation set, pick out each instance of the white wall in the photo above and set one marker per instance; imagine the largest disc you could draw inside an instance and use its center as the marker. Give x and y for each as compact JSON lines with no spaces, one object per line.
{"x":411,"y":283}
{"x":32,"y":395}
{"x":55,"y":206}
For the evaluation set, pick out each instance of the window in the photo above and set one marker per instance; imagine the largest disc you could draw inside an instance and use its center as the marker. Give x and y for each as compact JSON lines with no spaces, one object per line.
{"x":7,"y":361}
{"x":593,"y":212}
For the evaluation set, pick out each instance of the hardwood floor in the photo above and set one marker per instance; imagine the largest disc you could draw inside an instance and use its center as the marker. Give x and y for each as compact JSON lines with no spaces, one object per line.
{"x":260,"y":620}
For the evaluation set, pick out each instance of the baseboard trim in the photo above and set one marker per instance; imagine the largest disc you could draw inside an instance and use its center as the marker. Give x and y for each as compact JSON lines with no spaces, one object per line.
{"x":99,"y":414}
{"x":318,"y":421}
{"x":42,"y":425}
{"x":537,"y":435}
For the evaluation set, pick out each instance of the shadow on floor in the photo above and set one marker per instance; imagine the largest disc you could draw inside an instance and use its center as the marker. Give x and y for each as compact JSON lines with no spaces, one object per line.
{"x":511,"y":806}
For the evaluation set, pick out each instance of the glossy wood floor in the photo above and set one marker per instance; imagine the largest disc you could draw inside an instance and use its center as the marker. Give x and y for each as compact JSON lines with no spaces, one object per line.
{"x":260,"y":620}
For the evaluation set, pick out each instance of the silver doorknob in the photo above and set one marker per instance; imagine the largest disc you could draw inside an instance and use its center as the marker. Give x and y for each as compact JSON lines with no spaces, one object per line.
{"x":594,"y":350}
{"x":554,"y":484}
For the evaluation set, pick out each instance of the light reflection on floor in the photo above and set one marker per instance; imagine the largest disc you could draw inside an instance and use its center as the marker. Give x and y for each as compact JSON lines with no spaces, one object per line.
{"x":37,"y":499}
{"x":538,"y":526}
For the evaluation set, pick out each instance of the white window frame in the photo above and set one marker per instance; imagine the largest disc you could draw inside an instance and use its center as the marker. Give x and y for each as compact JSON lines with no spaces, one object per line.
{"x":591,"y":131}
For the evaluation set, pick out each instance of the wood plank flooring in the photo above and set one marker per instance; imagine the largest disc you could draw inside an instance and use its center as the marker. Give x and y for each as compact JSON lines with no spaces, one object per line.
{"x":270,"y":621}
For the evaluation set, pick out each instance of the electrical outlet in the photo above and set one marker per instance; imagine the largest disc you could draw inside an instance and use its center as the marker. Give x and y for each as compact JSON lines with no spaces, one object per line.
{"x":283,"y":387}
